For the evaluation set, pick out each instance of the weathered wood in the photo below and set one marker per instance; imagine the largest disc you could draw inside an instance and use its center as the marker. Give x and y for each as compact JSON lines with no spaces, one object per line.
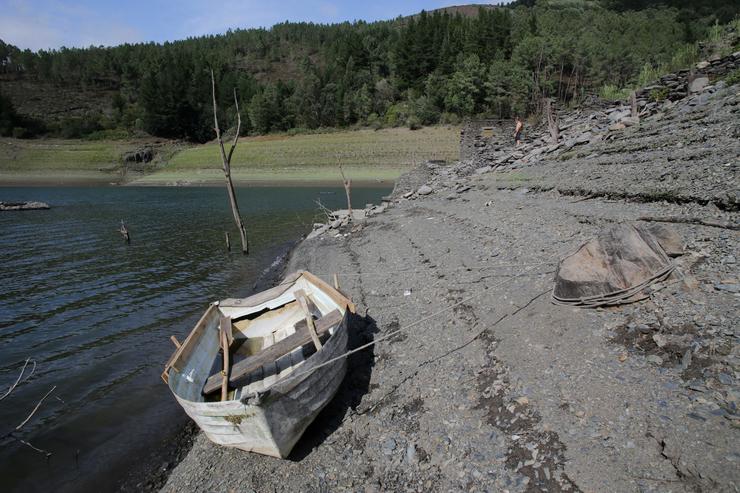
{"x":124,"y":232}
{"x":225,"y":370}
{"x":337,"y":297}
{"x":175,"y":341}
{"x":186,"y":347}
{"x":633,"y":106}
{"x":347,"y":190}
{"x":226,"y":337}
{"x":301,"y":298}
{"x":552,"y":121}
{"x":712,"y":223}
{"x":226,"y":160}
{"x":280,"y":348}
{"x":255,"y":299}
{"x":224,"y":325}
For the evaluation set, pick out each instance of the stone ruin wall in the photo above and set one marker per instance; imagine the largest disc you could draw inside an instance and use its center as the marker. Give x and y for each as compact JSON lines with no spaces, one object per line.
{"x":473,"y":137}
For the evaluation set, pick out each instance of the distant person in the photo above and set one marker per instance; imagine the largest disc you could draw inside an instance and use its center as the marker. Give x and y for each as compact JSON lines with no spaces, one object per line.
{"x":518,"y":131}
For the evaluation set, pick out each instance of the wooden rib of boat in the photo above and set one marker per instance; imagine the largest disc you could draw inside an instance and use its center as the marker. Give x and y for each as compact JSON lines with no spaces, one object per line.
{"x":265,"y":397}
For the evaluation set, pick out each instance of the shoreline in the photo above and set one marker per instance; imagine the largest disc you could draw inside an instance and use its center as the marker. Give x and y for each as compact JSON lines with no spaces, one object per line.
{"x":501,"y":389}
{"x":174,"y":449}
{"x":298,"y":177}
{"x":367,"y":156}
{"x":205,"y":184}
{"x":150,"y":475}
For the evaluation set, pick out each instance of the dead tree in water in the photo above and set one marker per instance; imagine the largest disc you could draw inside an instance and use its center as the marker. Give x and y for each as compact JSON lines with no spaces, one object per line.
{"x":124,"y":232}
{"x":347,"y":189}
{"x":552,"y":122}
{"x":226,"y":159}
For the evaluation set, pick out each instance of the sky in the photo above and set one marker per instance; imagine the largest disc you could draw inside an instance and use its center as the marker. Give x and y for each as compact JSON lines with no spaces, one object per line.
{"x":44,"y":24}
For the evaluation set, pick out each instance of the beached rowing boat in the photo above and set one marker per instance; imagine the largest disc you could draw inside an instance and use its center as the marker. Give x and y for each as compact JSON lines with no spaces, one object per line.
{"x":267,"y":395}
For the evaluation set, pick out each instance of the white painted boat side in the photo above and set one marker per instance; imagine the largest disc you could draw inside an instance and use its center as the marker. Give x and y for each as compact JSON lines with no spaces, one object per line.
{"x":272,"y":425}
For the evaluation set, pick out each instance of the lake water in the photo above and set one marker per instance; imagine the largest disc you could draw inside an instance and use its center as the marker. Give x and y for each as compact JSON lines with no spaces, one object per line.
{"x":96,"y":314}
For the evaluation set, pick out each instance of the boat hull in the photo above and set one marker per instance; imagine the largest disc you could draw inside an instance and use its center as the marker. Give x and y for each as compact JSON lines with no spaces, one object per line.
{"x":271,"y":423}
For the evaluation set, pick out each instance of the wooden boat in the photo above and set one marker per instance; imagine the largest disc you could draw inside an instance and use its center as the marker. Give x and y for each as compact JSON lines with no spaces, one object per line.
{"x":266,"y":399}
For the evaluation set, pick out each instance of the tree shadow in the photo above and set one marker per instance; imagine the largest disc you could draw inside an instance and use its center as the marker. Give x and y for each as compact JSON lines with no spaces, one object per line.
{"x":349,"y":395}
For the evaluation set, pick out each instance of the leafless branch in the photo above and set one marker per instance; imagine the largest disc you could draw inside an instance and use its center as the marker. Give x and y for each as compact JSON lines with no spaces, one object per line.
{"x":35,"y":409}
{"x":325,"y":210}
{"x":215,"y":126}
{"x":18,"y":380}
{"x":46,"y":453}
{"x":238,"y":127}
{"x":226,"y":160}
{"x":347,"y":189}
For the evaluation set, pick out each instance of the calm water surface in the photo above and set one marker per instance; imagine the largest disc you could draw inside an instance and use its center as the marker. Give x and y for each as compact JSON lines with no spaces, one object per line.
{"x":96,"y":314}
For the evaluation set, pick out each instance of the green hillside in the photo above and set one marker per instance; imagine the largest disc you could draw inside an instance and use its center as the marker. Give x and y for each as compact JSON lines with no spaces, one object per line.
{"x":432,"y":67}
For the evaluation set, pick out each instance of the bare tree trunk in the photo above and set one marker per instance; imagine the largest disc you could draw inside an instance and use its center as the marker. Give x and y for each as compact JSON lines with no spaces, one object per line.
{"x":124,"y":232}
{"x":552,"y":121}
{"x":633,"y":106}
{"x":560,"y":78}
{"x":226,"y":159}
{"x":348,"y":190}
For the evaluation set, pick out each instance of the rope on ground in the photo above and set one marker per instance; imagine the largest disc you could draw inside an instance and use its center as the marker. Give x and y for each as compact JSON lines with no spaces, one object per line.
{"x":413,"y":324}
{"x":453,"y":350}
{"x":616,"y":297}
{"x":455,"y":269}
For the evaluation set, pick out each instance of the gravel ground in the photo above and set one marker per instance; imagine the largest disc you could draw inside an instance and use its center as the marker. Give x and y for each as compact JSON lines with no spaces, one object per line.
{"x":488,"y":386}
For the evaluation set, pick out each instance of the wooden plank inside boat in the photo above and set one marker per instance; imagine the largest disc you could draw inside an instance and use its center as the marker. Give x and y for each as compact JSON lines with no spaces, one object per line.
{"x":275,"y":351}
{"x":301,"y":297}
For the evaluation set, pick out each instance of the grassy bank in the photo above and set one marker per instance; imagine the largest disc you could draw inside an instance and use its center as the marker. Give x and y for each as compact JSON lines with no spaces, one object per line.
{"x":368,"y":156}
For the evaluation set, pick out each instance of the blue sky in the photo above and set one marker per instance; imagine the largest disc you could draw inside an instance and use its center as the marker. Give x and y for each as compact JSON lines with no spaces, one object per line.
{"x":42,"y":24}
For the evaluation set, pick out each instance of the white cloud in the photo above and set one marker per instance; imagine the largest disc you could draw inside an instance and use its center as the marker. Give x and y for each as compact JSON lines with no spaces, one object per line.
{"x":58,"y":25}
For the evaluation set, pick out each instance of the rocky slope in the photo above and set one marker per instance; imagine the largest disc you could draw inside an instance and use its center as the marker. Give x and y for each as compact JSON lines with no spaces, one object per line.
{"x":679,"y":150}
{"x":478,"y":382}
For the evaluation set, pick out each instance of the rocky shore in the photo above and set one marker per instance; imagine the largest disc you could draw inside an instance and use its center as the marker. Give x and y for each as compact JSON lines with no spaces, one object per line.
{"x":491,"y":386}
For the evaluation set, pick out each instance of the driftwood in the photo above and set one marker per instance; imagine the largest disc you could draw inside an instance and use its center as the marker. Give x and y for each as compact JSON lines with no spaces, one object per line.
{"x":271,"y":353}
{"x":226,"y":160}
{"x":11,"y":434}
{"x":712,"y":223}
{"x":35,"y":409}
{"x":20,"y":376}
{"x":552,"y":122}
{"x":347,"y":190}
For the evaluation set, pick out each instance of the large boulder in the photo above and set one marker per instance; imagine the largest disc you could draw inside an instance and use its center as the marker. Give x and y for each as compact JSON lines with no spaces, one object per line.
{"x":424,"y":190}
{"x":698,"y":84}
